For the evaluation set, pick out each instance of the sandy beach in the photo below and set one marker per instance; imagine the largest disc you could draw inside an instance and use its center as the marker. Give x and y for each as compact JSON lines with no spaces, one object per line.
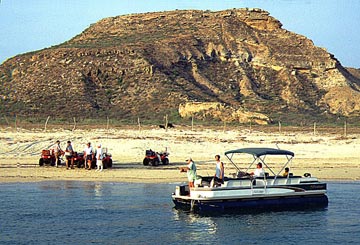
{"x":327,"y":156}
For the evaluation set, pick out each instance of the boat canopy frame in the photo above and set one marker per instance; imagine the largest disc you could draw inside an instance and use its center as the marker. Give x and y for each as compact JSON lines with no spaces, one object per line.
{"x":259,"y":154}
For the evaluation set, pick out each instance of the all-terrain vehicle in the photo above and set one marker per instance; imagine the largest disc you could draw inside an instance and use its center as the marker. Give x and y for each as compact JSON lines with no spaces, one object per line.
{"x":79,"y":160}
{"x":155,"y":158}
{"x":107,"y":160}
{"x":48,"y":158}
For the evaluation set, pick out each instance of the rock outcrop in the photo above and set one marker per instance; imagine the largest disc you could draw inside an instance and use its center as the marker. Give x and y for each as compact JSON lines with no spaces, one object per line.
{"x":222,"y":112}
{"x":148,"y":64}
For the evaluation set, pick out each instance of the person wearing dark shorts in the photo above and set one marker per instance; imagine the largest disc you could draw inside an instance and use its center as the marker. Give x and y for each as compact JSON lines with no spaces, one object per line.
{"x":57,"y":152}
{"x":89,"y":155}
{"x":89,"y":158}
{"x":69,"y":152}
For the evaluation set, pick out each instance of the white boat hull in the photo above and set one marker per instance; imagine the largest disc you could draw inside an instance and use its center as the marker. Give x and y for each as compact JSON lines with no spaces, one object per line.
{"x":273,"y":196}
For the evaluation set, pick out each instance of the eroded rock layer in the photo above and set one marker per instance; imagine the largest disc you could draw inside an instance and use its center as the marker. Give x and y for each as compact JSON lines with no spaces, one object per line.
{"x":148,"y":64}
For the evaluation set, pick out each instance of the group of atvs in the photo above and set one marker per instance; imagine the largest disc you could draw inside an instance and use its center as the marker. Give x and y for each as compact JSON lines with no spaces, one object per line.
{"x":48,"y":158}
{"x":152,"y":158}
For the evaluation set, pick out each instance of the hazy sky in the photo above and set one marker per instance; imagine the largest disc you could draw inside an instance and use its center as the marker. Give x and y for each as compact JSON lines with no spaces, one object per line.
{"x":29,"y":25}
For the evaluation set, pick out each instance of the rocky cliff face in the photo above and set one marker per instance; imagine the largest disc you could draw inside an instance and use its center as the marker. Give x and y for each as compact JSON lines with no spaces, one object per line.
{"x":148,"y":64}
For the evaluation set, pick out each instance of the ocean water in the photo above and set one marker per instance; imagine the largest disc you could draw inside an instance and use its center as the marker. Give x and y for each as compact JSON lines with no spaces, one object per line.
{"x":68,"y":212}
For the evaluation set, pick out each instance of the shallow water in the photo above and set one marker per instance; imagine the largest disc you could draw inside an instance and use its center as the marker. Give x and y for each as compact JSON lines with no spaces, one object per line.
{"x":117,"y":213}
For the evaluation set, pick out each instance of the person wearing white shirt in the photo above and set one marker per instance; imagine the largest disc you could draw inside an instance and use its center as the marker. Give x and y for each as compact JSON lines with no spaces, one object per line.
{"x":259,"y":171}
{"x":89,"y":155}
{"x":219,"y":172}
{"x":57,"y":152}
{"x":99,"y":157}
{"x":69,"y":152}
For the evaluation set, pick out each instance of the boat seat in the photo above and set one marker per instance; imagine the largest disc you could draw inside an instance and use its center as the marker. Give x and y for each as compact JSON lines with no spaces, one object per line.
{"x":280,"y":181}
{"x":294,"y":180}
{"x":237,"y":183}
{"x":198,"y":182}
{"x":232,"y":183}
{"x":259,"y":182}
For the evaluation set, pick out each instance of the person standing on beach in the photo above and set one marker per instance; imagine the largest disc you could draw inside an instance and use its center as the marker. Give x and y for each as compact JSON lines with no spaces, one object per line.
{"x":69,"y":152}
{"x":219,"y":171}
{"x":191,"y":172}
{"x":99,"y":157}
{"x":89,"y":155}
{"x":57,"y":152}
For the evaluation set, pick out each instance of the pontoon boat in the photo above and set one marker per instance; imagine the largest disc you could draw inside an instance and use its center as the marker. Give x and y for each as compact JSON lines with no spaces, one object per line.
{"x":244,"y":191}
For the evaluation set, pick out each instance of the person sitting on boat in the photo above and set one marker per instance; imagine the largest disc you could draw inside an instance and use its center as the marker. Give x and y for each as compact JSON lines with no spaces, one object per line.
{"x":191,"y":172}
{"x":286,"y":173}
{"x":219,"y":172}
{"x":259,"y":171}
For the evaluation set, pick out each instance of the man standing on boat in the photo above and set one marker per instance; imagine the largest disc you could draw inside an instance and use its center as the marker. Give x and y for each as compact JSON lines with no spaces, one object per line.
{"x":191,"y":172}
{"x":219,"y":171}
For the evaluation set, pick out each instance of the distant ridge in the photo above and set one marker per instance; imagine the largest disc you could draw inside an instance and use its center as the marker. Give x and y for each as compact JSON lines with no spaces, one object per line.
{"x":149,"y":64}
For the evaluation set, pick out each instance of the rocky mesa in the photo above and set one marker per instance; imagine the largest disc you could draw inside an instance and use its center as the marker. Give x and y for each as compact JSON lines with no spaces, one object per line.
{"x":156,"y":63}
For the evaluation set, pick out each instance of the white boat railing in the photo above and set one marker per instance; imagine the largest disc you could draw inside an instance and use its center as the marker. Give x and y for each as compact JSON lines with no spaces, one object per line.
{"x":256,"y":182}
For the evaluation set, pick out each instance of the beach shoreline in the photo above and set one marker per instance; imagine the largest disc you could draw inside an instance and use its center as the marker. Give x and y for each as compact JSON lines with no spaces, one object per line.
{"x":326,"y":156}
{"x":116,"y":175}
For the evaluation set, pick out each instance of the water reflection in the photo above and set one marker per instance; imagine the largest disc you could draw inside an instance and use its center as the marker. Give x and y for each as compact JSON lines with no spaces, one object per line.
{"x":98,"y":189}
{"x":194,"y":220}
{"x":198,"y":228}
{"x":250,"y":225}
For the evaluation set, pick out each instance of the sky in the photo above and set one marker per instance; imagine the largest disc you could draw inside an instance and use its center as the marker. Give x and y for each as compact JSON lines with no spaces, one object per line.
{"x":30,"y":25}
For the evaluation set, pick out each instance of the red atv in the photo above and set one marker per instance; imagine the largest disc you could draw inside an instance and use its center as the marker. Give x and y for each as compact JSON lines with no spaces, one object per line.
{"x":48,"y":158}
{"x":79,"y":160}
{"x":155,"y":158}
{"x":107,"y":161}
